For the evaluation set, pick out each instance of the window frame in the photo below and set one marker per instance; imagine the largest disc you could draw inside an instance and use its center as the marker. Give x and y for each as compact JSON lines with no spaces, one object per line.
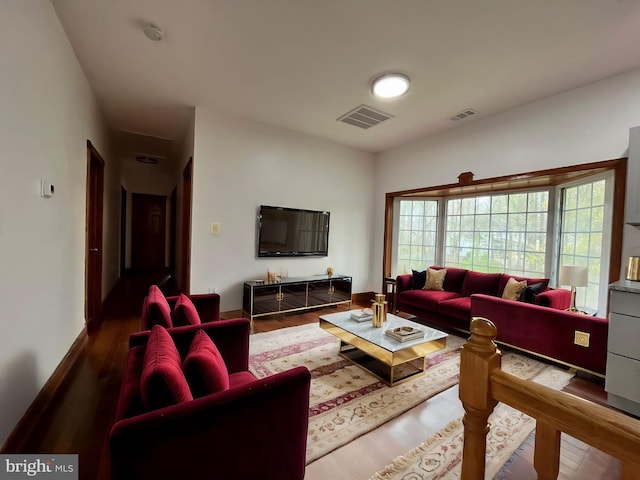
{"x":550,"y":177}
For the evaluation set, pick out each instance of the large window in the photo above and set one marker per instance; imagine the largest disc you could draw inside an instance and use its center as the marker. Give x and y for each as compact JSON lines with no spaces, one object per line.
{"x":417,"y":234}
{"x":584,"y":238}
{"x":498,"y":233}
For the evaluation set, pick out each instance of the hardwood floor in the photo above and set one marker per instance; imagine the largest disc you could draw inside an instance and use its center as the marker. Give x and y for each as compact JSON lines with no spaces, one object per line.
{"x":81,"y":417}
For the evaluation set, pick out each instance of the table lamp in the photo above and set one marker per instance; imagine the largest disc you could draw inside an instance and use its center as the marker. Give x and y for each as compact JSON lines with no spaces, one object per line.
{"x":575,"y":276}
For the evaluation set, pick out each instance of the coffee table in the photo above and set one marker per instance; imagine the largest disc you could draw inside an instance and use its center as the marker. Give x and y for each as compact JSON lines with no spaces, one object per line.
{"x":388,"y":359}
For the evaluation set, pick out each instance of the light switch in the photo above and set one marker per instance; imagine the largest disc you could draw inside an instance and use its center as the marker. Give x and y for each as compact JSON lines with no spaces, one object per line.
{"x":214,"y":228}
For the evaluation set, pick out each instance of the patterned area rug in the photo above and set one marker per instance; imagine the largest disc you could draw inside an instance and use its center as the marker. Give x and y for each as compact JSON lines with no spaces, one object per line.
{"x":440,"y":457}
{"x":345,"y":400}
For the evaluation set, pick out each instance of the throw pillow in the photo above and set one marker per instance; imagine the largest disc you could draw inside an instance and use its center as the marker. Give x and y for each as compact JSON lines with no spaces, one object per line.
{"x":162,"y":382}
{"x":435,"y":279}
{"x":156,"y":309}
{"x":185,"y":312}
{"x":418,"y":279}
{"x":513,"y":289}
{"x":204,"y":367}
{"x":529,"y":293}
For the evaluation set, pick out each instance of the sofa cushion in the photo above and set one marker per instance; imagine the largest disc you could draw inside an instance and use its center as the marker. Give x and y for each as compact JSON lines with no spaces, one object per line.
{"x":185,"y":313}
{"x":426,"y":299}
{"x":418,"y":279}
{"x":478,"y":282}
{"x":456,"y":307}
{"x":204,"y":367}
{"x":513,"y":289}
{"x":454,"y":279}
{"x":156,"y":310}
{"x":162,"y":382}
{"x":530,"y":281}
{"x":529,"y":294}
{"x":435,"y":279}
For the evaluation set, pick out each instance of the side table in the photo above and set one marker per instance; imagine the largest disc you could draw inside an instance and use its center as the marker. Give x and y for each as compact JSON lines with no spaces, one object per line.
{"x":389,"y":290}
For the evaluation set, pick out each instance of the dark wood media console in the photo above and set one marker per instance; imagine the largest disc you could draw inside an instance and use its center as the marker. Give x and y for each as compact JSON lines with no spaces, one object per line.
{"x":294,"y":294}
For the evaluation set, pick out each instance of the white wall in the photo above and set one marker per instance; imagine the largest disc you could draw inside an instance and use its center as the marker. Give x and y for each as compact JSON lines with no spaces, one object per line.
{"x":48,"y":113}
{"x":239,"y":165}
{"x":584,"y":125}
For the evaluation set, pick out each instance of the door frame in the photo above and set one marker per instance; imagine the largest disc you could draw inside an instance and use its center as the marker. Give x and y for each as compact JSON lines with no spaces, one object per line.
{"x":93,"y":237}
{"x":187,"y":184}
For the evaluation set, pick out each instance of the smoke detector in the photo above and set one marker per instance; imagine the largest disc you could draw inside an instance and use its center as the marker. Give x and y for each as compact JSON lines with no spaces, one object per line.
{"x":153,"y":32}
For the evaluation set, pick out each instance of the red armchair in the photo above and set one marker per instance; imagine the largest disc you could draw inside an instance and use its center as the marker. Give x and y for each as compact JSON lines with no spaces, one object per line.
{"x":255,"y":429}
{"x":178,"y":310}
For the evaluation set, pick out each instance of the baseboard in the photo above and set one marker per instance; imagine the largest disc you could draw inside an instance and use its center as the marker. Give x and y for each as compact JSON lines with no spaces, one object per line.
{"x":21,"y":433}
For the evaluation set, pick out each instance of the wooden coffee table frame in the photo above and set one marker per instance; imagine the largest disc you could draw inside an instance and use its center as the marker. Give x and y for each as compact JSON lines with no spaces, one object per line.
{"x":390,"y":367}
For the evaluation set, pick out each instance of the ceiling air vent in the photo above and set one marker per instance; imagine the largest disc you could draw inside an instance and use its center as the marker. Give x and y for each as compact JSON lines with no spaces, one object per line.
{"x":463,"y":114}
{"x":364,"y":116}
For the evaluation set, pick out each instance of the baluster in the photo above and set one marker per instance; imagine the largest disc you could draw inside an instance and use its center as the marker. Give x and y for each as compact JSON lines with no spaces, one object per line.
{"x":546,"y":457}
{"x":478,"y":357}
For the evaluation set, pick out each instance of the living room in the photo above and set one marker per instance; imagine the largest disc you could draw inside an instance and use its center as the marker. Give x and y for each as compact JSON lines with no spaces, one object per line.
{"x":51,"y":110}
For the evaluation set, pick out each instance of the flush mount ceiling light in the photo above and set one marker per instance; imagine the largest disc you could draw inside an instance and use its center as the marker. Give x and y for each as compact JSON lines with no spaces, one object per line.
{"x":390,"y":85}
{"x":153,"y":32}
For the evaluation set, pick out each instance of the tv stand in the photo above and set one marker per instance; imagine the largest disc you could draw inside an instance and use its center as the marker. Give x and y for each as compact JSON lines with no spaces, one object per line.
{"x":294,"y":294}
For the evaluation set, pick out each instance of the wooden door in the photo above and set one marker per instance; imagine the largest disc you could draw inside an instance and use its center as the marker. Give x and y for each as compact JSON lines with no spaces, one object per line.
{"x":186,"y":226}
{"x":173,"y":205}
{"x":93,"y":243}
{"x":123,"y":229}
{"x":148,"y":232}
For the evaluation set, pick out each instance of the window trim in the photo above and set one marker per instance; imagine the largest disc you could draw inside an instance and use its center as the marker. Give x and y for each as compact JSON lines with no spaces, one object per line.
{"x":550,"y":177}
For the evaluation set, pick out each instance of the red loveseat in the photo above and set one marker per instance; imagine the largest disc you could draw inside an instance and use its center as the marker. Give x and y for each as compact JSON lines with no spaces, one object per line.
{"x":253,"y":429}
{"x":547,"y":332}
{"x":451,"y":307}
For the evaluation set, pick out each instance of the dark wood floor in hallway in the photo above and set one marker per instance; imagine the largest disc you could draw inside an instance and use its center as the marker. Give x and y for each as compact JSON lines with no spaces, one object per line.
{"x":81,"y":417}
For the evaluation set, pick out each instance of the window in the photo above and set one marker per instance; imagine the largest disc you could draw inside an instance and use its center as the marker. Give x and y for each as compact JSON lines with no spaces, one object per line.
{"x":584,"y":239}
{"x":417,"y":234}
{"x":498,"y":233}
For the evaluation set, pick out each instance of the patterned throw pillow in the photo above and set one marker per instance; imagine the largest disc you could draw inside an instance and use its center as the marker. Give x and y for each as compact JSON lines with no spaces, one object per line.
{"x":435,"y":279}
{"x":513,"y":289}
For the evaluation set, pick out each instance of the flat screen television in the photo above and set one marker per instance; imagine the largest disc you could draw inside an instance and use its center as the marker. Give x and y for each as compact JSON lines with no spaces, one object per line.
{"x":292,"y":232}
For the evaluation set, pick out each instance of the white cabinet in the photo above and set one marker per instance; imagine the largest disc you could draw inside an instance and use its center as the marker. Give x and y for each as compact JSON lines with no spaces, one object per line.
{"x":632,"y":203}
{"x":623,"y":348}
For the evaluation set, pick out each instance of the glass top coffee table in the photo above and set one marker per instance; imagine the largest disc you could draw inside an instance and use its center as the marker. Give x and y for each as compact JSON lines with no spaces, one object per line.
{"x":390,"y":360}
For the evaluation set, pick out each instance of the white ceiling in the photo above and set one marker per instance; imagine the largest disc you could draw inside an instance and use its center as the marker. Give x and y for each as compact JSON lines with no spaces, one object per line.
{"x":300,"y":64}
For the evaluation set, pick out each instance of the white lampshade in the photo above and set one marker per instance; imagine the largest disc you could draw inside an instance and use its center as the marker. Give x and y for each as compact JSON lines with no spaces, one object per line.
{"x":573,"y":275}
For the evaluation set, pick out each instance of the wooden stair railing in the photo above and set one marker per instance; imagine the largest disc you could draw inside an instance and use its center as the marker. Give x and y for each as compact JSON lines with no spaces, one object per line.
{"x":483,"y":384}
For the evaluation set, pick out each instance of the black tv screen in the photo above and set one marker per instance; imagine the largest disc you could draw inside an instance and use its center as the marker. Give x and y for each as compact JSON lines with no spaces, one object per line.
{"x":292,"y":232}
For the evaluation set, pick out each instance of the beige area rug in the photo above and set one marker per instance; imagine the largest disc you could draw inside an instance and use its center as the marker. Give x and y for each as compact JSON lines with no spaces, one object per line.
{"x":345,"y":400}
{"x":440,"y":457}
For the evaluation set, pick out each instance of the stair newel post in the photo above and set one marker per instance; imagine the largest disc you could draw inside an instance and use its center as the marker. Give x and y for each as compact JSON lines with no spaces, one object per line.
{"x":478,"y":357}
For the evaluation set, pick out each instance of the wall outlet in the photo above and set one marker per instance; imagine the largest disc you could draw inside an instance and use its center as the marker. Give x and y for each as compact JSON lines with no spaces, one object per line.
{"x":212,"y":289}
{"x":581,"y":338}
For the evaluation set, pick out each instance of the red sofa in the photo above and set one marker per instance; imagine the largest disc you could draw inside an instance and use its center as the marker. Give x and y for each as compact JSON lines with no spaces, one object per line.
{"x":253,"y":429}
{"x":542,"y":327}
{"x":547,"y":332}
{"x":451,"y":307}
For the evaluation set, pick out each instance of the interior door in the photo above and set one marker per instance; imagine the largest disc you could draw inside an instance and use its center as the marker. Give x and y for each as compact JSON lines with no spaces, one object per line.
{"x":148,"y":232}
{"x":93,"y":243}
